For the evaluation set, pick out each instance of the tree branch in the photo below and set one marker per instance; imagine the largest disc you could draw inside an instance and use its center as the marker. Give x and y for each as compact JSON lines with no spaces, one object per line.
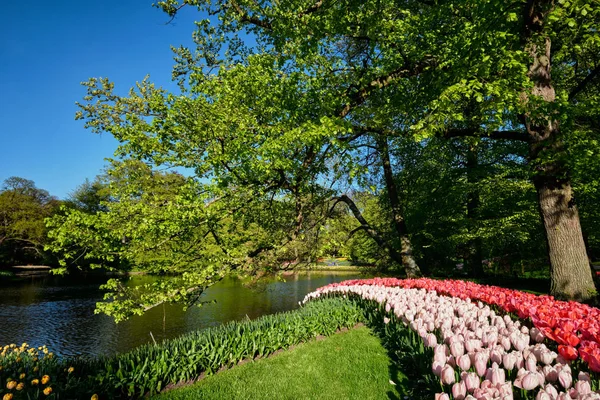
{"x":251,"y":19}
{"x":505,"y":135}
{"x":381,"y":82}
{"x":581,"y":87}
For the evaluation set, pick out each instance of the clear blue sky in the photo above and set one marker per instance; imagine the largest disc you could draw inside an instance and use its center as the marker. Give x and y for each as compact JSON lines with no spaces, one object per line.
{"x":46,"y":49}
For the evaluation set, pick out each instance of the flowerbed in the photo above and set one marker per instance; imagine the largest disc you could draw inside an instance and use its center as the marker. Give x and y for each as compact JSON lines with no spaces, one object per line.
{"x":527,"y":347}
{"x":148,"y":369}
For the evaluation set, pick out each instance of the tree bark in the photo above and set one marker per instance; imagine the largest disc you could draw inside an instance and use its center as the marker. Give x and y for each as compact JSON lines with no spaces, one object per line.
{"x":364,"y":225}
{"x":571,"y":275}
{"x":473,"y":201}
{"x":408,"y":261}
{"x":570,"y":271}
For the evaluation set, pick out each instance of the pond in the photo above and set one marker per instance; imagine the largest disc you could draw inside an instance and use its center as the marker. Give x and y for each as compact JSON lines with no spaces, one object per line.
{"x":59,"y":311}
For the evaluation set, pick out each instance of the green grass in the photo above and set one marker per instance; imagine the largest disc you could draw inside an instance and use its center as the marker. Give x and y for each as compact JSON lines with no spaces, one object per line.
{"x":348,"y":365}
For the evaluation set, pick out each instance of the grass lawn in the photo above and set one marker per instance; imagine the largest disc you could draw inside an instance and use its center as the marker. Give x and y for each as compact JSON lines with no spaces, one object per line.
{"x":348,"y":365}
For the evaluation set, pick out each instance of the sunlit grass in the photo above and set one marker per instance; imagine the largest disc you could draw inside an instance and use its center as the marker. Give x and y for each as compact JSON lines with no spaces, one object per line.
{"x":349,"y":365}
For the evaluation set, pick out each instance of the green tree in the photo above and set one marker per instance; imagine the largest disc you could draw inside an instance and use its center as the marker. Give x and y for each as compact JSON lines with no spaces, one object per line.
{"x":283,"y":121}
{"x":23,"y":208}
{"x":380,"y":61}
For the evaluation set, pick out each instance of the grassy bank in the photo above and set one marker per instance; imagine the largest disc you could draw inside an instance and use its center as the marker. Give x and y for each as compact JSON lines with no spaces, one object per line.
{"x":352,"y":364}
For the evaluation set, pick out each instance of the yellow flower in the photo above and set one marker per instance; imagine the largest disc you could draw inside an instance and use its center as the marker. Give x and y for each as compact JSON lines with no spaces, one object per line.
{"x":36,"y":369}
{"x":48,"y":390}
{"x":94,"y":397}
{"x":11,"y":385}
{"x":18,"y":359}
{"x":22,"y":376}
{"x":20,"y":386}
{"x":35,"y":382}
{"x":70,"y":370}
{"x":7,"y":396}
{"x":45,"y":379}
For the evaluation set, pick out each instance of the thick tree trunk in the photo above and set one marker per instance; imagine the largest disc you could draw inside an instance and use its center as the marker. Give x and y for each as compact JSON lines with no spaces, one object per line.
{"x":473,"y":202}
{"x":408,"y":261}
{"x":570,"y":271}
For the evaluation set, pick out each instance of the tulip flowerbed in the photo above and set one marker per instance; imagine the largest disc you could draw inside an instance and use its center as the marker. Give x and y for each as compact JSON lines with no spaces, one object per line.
{"x":485,"y":342}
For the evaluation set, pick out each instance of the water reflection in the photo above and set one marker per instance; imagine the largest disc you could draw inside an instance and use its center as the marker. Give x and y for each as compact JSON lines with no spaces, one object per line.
{"x":59,"y":312}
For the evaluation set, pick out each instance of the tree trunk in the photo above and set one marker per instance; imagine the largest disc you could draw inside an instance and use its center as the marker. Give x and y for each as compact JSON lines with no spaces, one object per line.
{"x":364,"y":225}
{"x":570,"y":271}
{"x":473,"y":201}
{"x":571,"y":274}
{"x":408,"y":261}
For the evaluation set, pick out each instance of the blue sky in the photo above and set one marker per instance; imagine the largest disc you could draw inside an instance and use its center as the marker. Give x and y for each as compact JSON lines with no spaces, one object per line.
{"x":46,"y":49}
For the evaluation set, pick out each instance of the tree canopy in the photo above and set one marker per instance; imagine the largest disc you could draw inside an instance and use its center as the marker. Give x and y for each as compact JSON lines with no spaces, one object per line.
{"x":286,"y":110}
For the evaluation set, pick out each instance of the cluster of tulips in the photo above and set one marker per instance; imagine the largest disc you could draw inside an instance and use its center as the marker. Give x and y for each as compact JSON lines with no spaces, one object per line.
{"x":574,"y":326}
{"x":33,"y":373}
{"x":478,"y":353}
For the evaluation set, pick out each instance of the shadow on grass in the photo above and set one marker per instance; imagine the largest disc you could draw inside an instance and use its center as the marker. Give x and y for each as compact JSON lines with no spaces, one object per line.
{"x":410,"y":366}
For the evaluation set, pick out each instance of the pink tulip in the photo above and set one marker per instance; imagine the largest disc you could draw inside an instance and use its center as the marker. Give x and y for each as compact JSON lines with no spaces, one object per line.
{"x":542,"y":395}
{"x":459,"y":390}
{"x":495,"y":374}
{"x":436,"y":368}
{"x":457,"y":349}
{"x":509,"y":360}
{"x":440,"y":353}
{"x":565,"y":378}
{"x":529,"y":382}
{"x":496,"y":356}
{"x":550,"y":373}
{"x":448,"y":375}
{"x":386,"y":320}
{"x":480,"y":363}
{"x":471,"y":381}
{"x":506,"y":389}
{"x":551,"y":390}
{"x":536,"y":335}
{"x":531,"y":363}
{"x":583,"y":387}
{"x":583,"y":376}
{"x":442,"y":396}
{"x":430,"y":340}
{"x":547,"y":357}
{"x":451,"y":362}
{"x":505,"y":342}
{"x":472,"y":345}
{"x":573,"y":393}
{"x":464,"y":362}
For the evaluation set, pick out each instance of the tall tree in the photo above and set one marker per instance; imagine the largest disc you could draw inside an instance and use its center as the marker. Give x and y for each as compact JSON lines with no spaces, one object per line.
{"x":277,"y":117}
{"x":495,"y":52}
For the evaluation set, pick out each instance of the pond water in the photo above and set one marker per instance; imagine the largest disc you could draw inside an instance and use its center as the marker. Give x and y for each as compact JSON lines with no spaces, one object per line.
{"x":59,"y":311}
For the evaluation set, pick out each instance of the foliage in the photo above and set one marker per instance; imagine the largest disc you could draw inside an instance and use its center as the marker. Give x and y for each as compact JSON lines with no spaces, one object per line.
{"x":437,"y":181}
{"x":362,"y":370}
{"x":150,"y":368}
{"x":23,"y":208}
{"x":279,"y":113}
